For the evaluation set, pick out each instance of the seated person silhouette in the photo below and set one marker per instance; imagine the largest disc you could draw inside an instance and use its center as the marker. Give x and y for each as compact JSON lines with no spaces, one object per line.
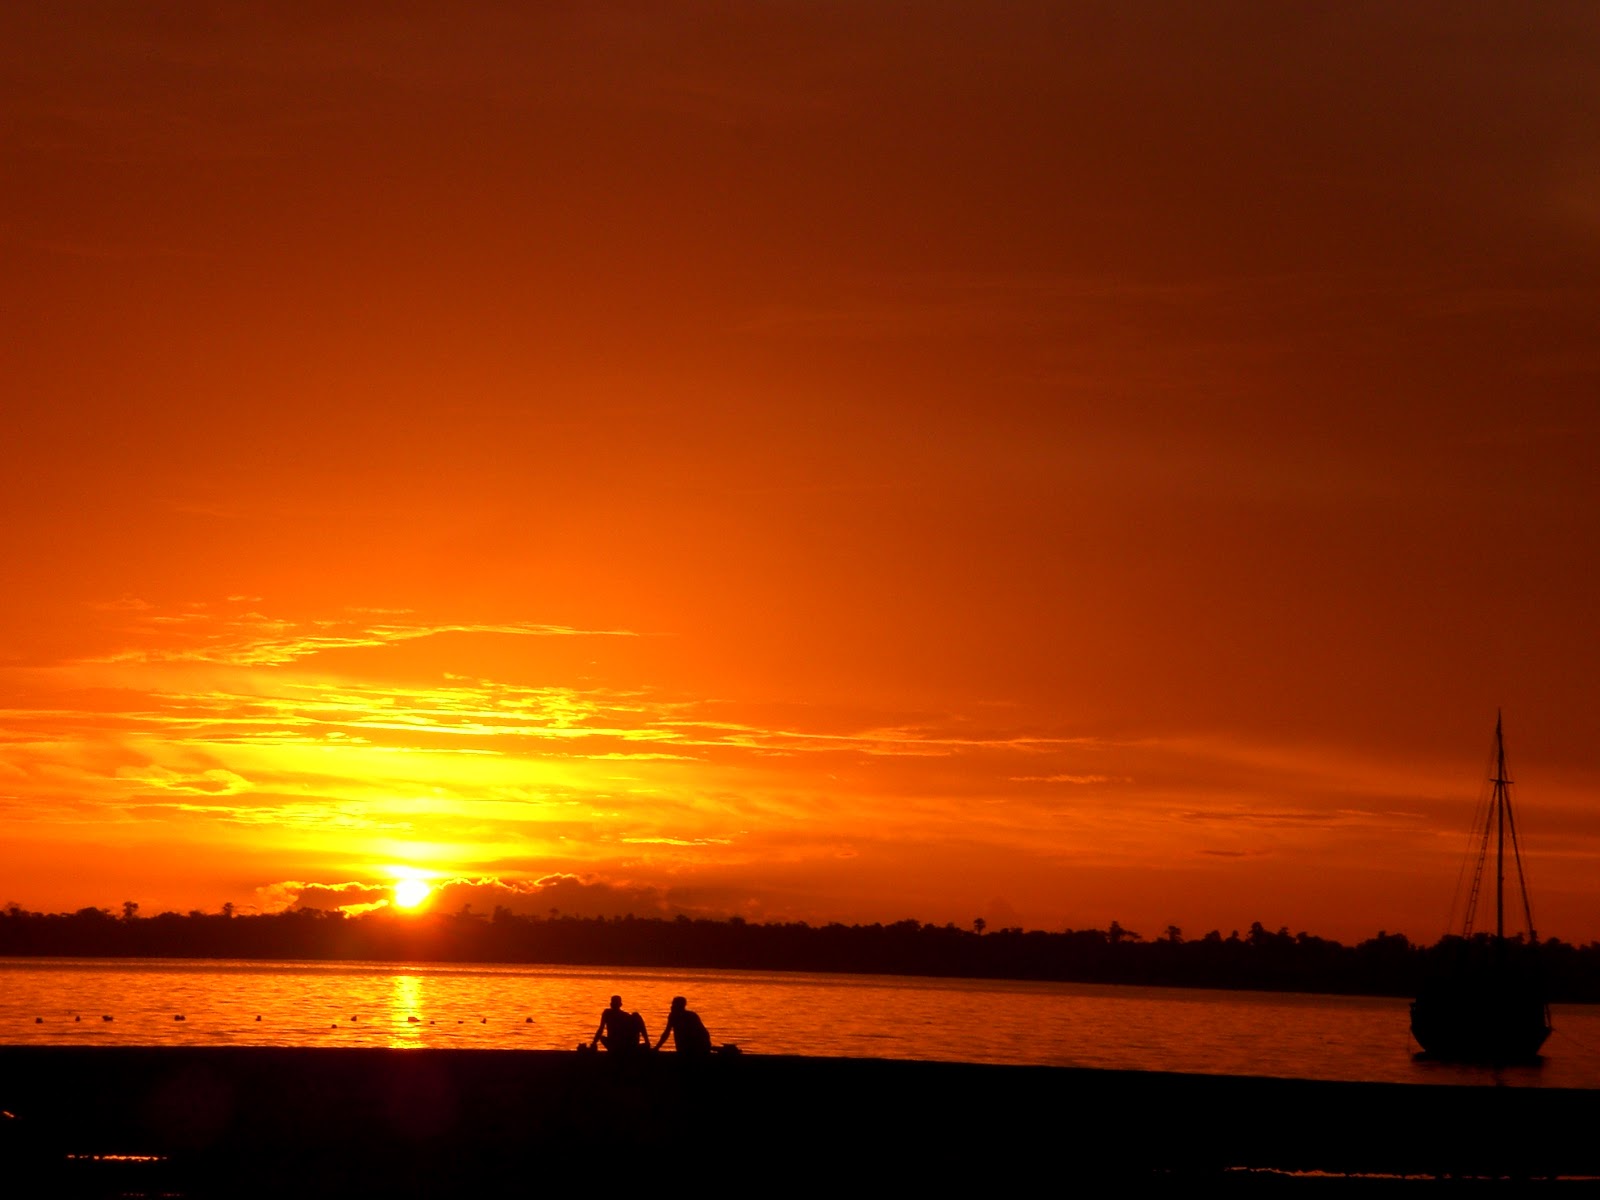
{"x":620,"y":1031}
{"x":689,"y":1033}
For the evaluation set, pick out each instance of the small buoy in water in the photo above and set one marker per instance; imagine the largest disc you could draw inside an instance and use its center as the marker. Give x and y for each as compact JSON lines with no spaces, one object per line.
{"x":77,"y":1018}
{"x":258,"y":1016}
{"x":38,"y":1020}
{"x":527,"y":1020}
{"x":413,"y":1020}
{"x":430,"y":1022}
{"x":355,"y":1018}
{"x":485,"y":1021}
{"x":335,"y":1025}
{"x":180,"y":1017}
{"x":108,"y":1018}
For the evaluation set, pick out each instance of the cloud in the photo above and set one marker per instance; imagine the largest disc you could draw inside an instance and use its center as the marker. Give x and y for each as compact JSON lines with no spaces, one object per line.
{"x":169,"y":684}
{"x":317,"y":815}
{"x":251,"y":639}
{"x":123,"y":604}
{"x":1259,"y":817}
{"x":215,"y":781}
{"x":1074,"y":779}
{"x":675,"y":841}
{"x":572,"y":895}
{"x":569,"y":894}
{"x":276,"y":897}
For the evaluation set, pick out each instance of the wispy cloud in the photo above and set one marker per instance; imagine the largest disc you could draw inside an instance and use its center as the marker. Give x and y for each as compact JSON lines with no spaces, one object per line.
{"x":322,"y":741}
{"x":1079,"y":780}
{"x":251,"y":639}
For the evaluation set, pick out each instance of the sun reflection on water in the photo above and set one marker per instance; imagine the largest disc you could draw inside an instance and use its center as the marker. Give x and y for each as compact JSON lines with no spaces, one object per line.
{"x":405,"y":1012}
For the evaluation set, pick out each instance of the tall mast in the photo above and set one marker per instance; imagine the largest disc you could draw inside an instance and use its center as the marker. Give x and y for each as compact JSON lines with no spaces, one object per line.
{"x":1497,"y":819}
{"x":1500,"y":782}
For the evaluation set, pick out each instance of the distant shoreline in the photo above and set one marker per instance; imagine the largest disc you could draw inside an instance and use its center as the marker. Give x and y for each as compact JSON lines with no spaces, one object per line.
{"x":1257,"y":961}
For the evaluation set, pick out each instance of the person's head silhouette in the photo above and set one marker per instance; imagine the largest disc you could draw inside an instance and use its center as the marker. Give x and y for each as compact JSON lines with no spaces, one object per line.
{"x":616,"y":1002}
{"x":679,"y":1004}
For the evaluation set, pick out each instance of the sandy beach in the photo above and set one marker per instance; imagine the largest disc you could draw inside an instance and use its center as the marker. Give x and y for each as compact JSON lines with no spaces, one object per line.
{"x":230,"y":1121}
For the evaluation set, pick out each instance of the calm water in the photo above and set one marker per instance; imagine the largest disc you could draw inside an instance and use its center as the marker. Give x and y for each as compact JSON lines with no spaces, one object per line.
{"x":543,"y":1008}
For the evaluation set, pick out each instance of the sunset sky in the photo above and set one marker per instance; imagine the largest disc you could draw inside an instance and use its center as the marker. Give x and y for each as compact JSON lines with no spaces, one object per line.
{"x":832,"y":461}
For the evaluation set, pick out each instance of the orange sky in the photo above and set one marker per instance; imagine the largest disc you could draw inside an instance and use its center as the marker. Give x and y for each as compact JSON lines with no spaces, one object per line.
{"x":1057,"y":463}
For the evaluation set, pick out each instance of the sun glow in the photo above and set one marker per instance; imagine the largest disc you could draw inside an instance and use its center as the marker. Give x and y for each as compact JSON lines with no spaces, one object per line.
{"x":409,"y":893}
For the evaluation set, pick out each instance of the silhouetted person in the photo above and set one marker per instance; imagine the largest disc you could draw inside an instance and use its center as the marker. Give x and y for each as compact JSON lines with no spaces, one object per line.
{"x":620,"y":1031}
{"x":689,"y":1033}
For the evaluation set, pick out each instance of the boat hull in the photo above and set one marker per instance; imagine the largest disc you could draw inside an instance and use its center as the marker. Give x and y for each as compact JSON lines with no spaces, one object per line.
{"x":1473,"y":1027}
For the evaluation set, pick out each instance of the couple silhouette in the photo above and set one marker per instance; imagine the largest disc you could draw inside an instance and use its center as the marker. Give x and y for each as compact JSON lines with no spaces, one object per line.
{"x":624,"y":1032}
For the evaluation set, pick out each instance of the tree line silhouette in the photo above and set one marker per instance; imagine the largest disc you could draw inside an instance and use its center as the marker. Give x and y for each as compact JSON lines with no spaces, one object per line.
{"x":1259,"y":959}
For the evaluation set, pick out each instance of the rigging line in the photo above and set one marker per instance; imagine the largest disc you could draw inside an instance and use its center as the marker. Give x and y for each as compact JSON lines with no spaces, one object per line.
{"x":1516,"y":853}
{"x":1482,"y":814}
{"x":1562,"y":1031}
{"x":1516,"y":848}
{"x":1502,"y":800}
{"x":1455,"y":896}
{"x":1461,"y":897}
{"x":1477,"y":874}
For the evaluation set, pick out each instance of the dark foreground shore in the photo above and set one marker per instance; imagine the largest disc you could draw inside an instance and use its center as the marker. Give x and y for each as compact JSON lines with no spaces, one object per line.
{"x":219,"y":1121}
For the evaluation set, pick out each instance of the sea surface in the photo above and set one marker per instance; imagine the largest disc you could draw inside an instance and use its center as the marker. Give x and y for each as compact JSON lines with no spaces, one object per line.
{"x":64,"y":1002}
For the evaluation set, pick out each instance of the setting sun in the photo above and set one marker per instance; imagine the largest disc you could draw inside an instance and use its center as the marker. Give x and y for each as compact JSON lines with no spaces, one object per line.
{"x":409,"y":893}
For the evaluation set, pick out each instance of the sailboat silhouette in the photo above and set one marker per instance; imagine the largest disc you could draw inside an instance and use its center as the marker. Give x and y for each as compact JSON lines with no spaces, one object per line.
{"x":1483,"y":1000}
